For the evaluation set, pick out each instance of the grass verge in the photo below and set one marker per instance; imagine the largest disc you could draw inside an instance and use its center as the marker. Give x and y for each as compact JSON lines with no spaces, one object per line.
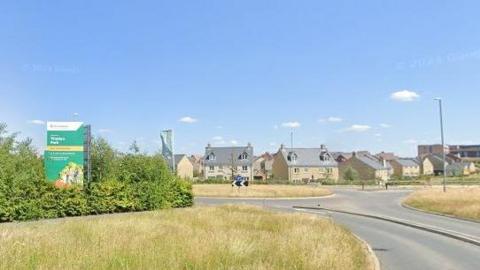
{"x":259,"y":191}
{"x":226,"y":237}
{"x":459,"y":202}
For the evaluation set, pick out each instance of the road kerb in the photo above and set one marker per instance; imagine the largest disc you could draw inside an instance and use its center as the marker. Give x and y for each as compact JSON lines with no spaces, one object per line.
{"x":451,"y":234}
{"x":374,"y":263}
{"x":266,"y":198}
{"x":437,"y":213}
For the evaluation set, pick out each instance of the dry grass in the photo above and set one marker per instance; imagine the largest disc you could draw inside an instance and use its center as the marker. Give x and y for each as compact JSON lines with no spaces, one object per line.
{"x":258,"y":191}
{"x":460,"y":202}
{"x":227,"y":237}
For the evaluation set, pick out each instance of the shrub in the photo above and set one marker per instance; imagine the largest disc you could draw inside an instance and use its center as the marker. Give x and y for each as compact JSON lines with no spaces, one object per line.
{"x":121,"y":183}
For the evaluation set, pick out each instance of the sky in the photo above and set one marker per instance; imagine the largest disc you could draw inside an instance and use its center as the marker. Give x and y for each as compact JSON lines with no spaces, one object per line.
{"x":354,"y":75}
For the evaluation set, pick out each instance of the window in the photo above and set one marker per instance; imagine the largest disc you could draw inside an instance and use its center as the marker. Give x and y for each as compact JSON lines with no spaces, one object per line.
{"x":296,"y":170}
{"x":292,"y":157}
{"x":244,"y":168}
{"x":211,"y":168}
{"x":211,"y":156}
{"x":243,"y":156}
{"x":324,"y":157}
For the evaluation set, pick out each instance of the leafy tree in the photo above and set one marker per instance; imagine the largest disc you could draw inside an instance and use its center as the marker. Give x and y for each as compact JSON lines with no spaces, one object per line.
{"x":350,"y":174}
{"x":103,"y":159}
{"x":134,"y":148}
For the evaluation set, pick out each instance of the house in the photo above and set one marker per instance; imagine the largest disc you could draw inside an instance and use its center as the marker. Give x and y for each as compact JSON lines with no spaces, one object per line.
{"x":405,"y":167}
{"x":429,"y":149}
{"x":341,"y":156}
{"x":183,"y":166}
{"x":298,"y":164}
{"x":426,"y":166}
{"x":262,"y":167}
{"x":388,"y":156}
{"x":368,"y":166}
{"x":197,"y":162}
{"x":455,"y":166}
{"x":228,"y":162}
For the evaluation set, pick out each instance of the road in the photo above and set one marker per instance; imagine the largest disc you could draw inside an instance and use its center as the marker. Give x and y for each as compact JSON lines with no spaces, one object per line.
{"x":396,"y":246}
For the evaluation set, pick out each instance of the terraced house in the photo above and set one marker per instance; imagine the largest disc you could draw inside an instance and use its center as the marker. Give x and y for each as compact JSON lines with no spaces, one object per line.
{"x":368,"y":166}
{"x":227,"y":162}
{"x":405,"y":167}
{"x":304,"y":164}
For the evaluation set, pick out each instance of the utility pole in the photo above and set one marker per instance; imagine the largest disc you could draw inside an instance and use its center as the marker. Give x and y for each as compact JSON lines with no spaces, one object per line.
{"x":443,"y":145}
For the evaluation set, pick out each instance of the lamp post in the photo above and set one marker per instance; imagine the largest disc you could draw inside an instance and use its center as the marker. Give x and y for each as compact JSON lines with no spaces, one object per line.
{"x":443,"y":145}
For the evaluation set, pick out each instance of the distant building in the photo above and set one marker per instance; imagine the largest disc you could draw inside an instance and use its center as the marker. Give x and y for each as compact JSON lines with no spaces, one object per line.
{"x":262,"y":167}
{"x":435,"y":149}
{"x":341,"y":156}
{"x":426,"y":166}
{"x":368,"y":166}
{"x":405,"y":167}
{"x":183,"y":167}
{"x":466,"y":152}
{"x":197,"y":162}
{"x":388,"y":156}
{"x":225,"y":162}
{"x":454,"y":165}
{"x":304,"y":164}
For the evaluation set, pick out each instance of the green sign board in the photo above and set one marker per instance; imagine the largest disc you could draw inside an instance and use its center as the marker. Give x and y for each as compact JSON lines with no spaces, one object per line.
{"x":64,"y":157}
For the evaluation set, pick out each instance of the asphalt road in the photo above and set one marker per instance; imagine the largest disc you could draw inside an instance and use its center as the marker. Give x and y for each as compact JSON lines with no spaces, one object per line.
{"x":396,"y":246}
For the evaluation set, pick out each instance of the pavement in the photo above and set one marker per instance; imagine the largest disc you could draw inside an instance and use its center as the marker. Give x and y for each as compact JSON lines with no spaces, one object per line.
{"x":396,"y":246}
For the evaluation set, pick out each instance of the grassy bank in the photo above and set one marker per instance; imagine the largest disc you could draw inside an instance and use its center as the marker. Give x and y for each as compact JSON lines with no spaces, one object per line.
{"x":257,"y":191}
{"x":227,"y":237}
{"x":460,"y":202}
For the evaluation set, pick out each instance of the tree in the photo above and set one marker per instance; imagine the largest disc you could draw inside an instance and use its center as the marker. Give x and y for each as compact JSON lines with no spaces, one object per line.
{"x":134,"y":147}
{"x":350,"y":174}
{"x":103,"y":160}
{"x":233,"y":165}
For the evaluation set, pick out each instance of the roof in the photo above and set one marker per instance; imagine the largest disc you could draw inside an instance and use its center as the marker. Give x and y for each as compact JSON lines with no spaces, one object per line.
{"x":223,"y":155}
{"x":387,"y":156}
{"x":407,"y":162}
{"x":372,"y":161}
{"x":308,"y":157}
{"x":177,"y":158}
{"x":346,"y":155}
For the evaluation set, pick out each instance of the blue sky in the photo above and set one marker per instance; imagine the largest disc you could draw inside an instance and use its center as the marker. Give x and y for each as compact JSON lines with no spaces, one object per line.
{"x":244,"y":71}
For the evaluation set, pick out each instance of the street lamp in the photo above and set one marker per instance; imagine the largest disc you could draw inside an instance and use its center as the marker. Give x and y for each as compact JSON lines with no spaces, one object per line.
{"x":443,"y":145}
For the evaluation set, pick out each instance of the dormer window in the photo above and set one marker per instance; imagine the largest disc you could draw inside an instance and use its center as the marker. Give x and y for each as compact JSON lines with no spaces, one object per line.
{"x":324,"y":157}
{"x":211,"y":157}
{"x":243,"y":156}
{"x":292,"y":157}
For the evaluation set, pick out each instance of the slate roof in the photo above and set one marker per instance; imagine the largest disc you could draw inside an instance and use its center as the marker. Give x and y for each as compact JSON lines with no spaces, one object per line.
{"x":372,"y":161}
{"x":336,"y":155}
{"x":407,"y":162}
{"x":223,"y":156}
{"x":308,"y":157}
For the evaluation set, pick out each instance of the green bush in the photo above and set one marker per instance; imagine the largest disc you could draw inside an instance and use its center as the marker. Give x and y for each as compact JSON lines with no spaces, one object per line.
{"x":120,"y":183}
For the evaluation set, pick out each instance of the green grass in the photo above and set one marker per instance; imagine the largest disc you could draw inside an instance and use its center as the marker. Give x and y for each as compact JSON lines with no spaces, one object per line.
{"x":227,"y":237}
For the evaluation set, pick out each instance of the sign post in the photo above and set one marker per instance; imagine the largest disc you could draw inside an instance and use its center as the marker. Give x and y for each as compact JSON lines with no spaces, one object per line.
{"x":65,"y":156}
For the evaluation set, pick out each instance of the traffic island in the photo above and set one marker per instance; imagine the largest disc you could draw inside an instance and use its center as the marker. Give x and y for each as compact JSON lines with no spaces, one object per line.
{"x":259,"y":191}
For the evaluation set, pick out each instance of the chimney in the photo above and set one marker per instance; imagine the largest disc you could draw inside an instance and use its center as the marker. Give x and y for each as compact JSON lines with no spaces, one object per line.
{"x":209,"y":145}
{"x":249,"y":145}
{"x":384,"y":161}
{"x":354,"y":154}
{"x":282,"y":146}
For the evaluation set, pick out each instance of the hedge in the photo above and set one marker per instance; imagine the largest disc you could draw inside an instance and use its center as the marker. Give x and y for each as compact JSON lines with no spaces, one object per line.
{"x":122,"y":183}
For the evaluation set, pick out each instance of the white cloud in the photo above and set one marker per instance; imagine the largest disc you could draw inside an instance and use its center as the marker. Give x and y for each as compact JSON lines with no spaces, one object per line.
{"x":410,"y":141}
{"x":404,"y":96}
{"x":234,"y":142}
{"x":331,"y":119}
{"x":36,"y":122}
{"x":188,"y":120}
{"x":217,"y":138}
{"x":383,"y":125}
{"x":272,"y":143}
{"x":294,"y":124}
{"x":359,"y":128}
{"x":377,"y":135}
{"x":275,"y":127}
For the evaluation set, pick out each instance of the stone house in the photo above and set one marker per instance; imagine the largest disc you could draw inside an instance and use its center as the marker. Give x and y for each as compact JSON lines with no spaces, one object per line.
{"x":225,"y":162}
{"x":183,"y":166}
{"x":304,"y":164}
{"x":368,"y":166}
{"x":405,"y":167}
{"x":262,"y":167}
